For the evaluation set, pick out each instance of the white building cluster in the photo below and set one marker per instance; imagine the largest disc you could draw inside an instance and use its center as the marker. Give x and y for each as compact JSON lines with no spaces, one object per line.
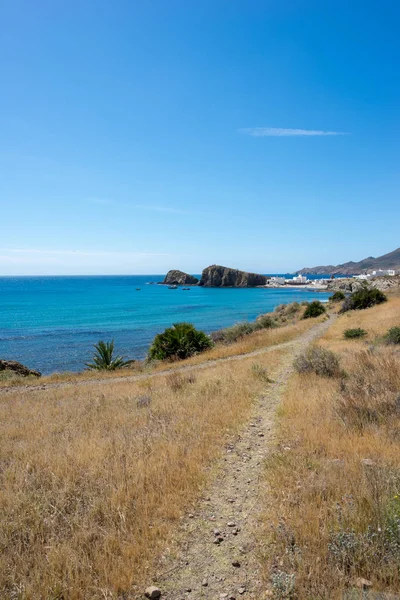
{"x":378,"y":273}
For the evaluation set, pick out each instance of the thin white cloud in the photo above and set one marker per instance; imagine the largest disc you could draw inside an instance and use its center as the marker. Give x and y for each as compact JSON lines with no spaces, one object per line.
{"x":281,"y":132}
{"x":163,"y":209}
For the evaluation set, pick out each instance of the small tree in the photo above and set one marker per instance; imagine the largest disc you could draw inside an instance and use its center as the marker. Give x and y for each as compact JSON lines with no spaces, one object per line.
{"x":314,"y":309}
{"x":337,"y":296}
{"x":363,"y":298}
{"x":104,"y":359}
{"x":179,"y":341}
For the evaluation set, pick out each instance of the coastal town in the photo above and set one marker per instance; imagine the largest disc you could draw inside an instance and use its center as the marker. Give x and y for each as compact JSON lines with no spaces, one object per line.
{"x":302,"y":281}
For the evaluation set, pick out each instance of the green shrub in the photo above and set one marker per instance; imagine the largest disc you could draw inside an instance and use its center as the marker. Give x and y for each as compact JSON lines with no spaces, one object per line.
{"x":287,"y":309}
{"x":337,"y":296}
{"x":393,"y":336}
{"x":314,"y":309}
{"x":363,"y":298}
{"x":178,"y":342}
{"x":264,"y":322}
{"x":351,"y":334}
{"x":234,"y":333}
{"x":104,"y":359}
{"x":318,"y":360}
{"x":281,"y":314}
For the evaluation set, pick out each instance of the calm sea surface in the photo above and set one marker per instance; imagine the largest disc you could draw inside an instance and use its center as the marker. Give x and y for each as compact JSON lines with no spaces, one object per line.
{"x":51,"y":323}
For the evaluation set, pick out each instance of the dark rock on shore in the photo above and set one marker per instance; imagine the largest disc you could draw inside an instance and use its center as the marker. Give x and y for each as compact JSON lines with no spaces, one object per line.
{"x":218,"y":276}
{"x":17,"y":368}
{"x":175,"y":277}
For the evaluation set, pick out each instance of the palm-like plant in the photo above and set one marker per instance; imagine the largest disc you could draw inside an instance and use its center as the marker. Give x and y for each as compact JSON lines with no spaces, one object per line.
{"x":104,"y":359}
{"x":179,"y":341}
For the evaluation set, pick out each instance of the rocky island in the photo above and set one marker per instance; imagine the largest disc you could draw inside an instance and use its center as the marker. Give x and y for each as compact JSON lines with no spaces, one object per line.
{"x":218,"y":276}
{"x":175,"y":277}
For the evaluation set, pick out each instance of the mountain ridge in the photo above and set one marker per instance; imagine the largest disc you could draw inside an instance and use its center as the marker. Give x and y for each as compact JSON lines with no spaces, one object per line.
{"x":391,"y":260}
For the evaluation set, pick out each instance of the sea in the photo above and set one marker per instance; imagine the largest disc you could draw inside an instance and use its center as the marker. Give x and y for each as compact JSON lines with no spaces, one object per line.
{"x":51,"y":323}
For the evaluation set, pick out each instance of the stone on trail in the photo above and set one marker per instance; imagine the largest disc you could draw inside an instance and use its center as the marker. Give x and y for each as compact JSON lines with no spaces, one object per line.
{"x":204,"y":583}
{"x":235,"y":563}
{"x":152,"y":593}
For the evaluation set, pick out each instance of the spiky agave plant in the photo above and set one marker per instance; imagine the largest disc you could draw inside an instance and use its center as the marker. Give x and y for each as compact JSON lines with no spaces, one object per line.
{"x":104,"y":359}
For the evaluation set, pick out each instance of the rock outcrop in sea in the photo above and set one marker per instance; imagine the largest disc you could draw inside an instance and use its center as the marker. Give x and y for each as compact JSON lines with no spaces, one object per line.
{"x":175,"y":277}
{"x":17,"y":368}
{"x":218,"y":276}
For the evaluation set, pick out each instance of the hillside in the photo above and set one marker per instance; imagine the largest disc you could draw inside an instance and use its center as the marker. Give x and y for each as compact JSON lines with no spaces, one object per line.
{"x":387,"y":261}
{"x":158,"y":480}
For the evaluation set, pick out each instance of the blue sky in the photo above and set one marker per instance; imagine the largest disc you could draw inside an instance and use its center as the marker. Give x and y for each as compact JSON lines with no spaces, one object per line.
{"x":141,"y":136}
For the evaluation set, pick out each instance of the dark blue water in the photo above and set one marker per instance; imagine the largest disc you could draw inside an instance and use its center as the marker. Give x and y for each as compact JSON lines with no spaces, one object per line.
{"x":51,"y":323}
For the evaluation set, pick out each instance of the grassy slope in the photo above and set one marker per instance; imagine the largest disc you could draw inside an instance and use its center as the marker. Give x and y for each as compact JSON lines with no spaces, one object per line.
{"x":94,"y":479}
{"x":332,"y":510}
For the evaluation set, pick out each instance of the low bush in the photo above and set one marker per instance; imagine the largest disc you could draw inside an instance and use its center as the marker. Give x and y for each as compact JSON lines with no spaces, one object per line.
{"x":363,"y":298}
{"x":286,"y":313}
{"x":232,"y":334}
{"x":393,"y":336}
{"x":351,"y":334}
{"x":180,"y":341}
{"x":314,"y":309}
{"x":265,"y":322}
{"x":177,"y":382}
{"x":337,"y":296}
{"x":281,"y":315}
{"x":143,"y":401}
{"x":318,"y":360}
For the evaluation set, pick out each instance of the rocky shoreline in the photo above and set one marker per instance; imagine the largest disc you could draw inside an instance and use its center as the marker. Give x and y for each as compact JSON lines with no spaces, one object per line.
{"x":384,"y":284}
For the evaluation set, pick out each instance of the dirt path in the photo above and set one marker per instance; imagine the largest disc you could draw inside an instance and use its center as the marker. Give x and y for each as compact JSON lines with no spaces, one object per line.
{"x":213,"y":556}
{"x":103,"y":380}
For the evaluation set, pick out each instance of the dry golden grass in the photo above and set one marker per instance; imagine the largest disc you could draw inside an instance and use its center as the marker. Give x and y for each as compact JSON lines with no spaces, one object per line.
{"x":376,"y":321}
{"x":333,"y":483}
{"x":93,"y":480}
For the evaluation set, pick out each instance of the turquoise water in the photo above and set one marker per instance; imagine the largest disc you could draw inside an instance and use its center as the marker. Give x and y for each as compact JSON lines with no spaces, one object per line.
{"x":51,"y":323}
